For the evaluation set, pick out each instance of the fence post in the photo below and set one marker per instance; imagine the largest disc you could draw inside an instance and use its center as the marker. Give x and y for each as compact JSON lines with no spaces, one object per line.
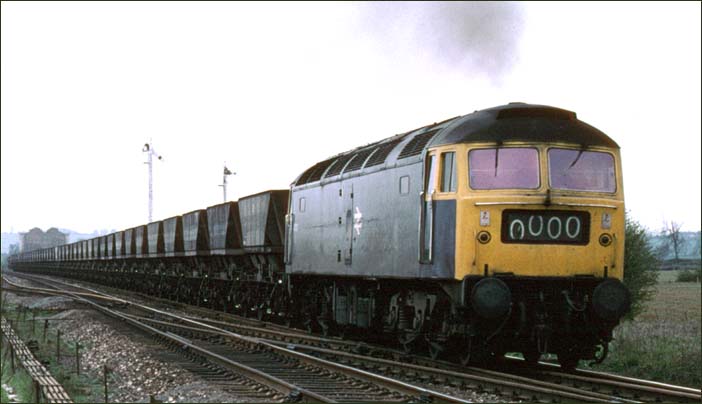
{"x":104,"y":379}
{"x":58,"y":346}
{"x":34,"y":321}
{"x":46,"y":325}
{"x":37,"y":392}
{"x":12,"y":357}
{"x":77,"y":358}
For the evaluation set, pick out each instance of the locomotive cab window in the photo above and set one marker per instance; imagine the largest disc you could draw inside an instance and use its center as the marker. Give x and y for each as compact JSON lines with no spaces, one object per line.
{"x":448,"y":172}
{"x":504,"y":168}
{"x":580,"y":170}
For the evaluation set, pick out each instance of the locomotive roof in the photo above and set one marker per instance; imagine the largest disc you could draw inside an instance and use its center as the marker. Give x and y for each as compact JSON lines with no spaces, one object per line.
{"x":515,"y":121}
{"x":522,"y":122}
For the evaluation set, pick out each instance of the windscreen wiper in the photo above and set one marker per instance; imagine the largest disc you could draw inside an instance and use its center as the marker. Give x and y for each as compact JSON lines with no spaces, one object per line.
{"x":580,"y":153}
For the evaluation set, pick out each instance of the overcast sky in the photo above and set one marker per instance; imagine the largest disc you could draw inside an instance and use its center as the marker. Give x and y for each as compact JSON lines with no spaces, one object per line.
{"x":272,"y":88}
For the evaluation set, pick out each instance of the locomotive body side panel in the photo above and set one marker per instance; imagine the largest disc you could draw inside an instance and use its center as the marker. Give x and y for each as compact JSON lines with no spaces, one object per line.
{"x":360,"y":226}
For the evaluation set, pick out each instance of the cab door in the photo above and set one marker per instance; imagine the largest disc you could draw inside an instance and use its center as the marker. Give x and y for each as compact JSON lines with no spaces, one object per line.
{"x":426,"y":221}
{"x":348,"y":234}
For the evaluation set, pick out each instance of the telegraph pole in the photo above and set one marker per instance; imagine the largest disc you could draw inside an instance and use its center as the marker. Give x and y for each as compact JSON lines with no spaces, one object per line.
{"x":224,"y":180}
{"x":150,"y":152}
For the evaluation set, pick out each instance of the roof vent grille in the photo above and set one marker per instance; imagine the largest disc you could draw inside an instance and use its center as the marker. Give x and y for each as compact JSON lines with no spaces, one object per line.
{"x":339,"y":165}
{"x":416,"y":145}
{"x":315,"y":172}
{"x":383,"y":150}
{"x":358,"y":160}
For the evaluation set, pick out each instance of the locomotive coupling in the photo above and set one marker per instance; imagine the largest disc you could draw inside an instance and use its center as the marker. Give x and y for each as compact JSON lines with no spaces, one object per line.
{"x":611,"y":300}
{"x":491,"y":298}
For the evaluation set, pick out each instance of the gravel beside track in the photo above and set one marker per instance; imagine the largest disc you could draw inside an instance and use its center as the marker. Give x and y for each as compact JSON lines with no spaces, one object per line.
{"x":139,"y":366}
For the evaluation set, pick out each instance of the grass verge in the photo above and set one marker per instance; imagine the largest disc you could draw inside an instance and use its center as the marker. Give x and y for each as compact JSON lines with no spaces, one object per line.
{"x":82,"y":388}
{"x":664,"y":342}
{"x":19,"y":380}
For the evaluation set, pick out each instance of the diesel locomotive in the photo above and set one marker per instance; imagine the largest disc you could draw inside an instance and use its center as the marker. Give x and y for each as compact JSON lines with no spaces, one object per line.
{"x":497,"y":231}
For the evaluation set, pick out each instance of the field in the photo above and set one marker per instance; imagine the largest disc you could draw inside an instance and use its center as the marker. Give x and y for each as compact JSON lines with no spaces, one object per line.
{"x":664,"y":342}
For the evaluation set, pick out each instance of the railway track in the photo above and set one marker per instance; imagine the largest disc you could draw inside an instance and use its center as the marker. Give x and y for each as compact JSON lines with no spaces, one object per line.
{"x":513,"y":380}
{"x":296,"y":375}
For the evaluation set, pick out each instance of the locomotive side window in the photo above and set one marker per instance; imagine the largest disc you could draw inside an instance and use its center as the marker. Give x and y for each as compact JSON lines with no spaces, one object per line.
{"x":579,"y":170}
{"x":404,"y":185}
{"x":504,"y":168}
{"x":448,"y":172}
{"x":430,"y":170}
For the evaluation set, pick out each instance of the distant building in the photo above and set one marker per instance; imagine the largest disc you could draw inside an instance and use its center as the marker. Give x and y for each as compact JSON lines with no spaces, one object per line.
{"x":36,"y":239}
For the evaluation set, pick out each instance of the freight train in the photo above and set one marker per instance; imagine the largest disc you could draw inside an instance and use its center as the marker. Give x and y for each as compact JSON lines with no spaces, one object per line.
{"x":497,"y":231}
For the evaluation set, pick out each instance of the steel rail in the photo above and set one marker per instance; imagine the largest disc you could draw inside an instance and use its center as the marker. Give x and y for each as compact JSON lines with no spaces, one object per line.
{"x":591,"y":377}
{"x":632,"y":385}
{"x":388,"y":383}
{"x":515,"y":382}
{"x":254,"y":374}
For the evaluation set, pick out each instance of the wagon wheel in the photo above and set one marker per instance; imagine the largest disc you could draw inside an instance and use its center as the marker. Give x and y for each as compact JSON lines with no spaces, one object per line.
{"x":436,"y":348}
{"x":343,"y":331}
{"x":407,"y":340}
{"x":324,"y":327}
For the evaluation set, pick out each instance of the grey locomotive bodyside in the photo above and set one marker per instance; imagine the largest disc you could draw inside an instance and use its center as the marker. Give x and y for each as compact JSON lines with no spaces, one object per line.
{"x":367,"y":223}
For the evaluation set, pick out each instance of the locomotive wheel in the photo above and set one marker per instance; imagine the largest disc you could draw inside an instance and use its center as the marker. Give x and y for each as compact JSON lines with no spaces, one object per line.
{"x":531,"y":356}
{"x":568,"y":360}
{"x":465,"y":355}
{"x":473,"y":355}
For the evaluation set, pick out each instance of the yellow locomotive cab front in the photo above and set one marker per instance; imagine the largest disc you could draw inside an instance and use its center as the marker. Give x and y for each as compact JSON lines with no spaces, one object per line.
{"x":517,"y":215}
